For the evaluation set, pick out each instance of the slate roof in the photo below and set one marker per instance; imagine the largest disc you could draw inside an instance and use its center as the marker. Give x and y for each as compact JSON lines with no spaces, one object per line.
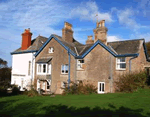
{"x":35,"y":45}
{"x":119,"y":47}
{"x":44,"y":60}
{"x":126,"y":47}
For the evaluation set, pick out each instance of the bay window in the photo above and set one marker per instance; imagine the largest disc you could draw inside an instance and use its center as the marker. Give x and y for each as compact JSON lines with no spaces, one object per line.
{"x":43,"y":68}
{"x":121,"y":63}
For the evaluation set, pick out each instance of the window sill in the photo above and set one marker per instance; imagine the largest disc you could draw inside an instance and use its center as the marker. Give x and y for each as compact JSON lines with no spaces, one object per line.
{"x":80,"y":69}
{"x":64,"y":74}
{"x":120,"y":69}
{"x":43,"y":74}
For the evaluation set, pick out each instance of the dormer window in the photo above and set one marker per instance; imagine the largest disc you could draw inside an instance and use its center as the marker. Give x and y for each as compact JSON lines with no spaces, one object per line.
{"x":51,"y":50}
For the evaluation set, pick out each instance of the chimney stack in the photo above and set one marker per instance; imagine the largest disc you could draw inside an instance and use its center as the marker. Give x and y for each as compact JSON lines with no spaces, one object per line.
{"x":101,"y":32}
{"x":67,"y":33}
{"x":90,"y":40}
{"x":26,"y":39}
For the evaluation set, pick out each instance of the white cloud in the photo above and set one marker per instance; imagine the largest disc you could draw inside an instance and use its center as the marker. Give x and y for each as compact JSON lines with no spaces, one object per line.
{"x":112,"y":38}
{"x":88,"y":11}
{"x":127,"y":18}
{"x":139,"y":35}
{"x":35,"y":14}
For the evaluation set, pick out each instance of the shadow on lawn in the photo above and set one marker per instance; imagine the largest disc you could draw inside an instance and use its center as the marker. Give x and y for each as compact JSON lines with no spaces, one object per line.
{"x":32,"y":109}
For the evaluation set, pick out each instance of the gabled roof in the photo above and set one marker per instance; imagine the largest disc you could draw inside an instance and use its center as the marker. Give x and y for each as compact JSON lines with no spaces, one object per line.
{"x":35,"y":45}
{"x":68,"y":46}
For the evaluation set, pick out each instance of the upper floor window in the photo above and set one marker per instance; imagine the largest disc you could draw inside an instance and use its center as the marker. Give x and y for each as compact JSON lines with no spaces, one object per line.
{"x":80,"y":63}
{"x":44,"y":68}
{"x":29,"y":69}
{"x":121,"y":63}
{"x":51,"y":50}
{"x":64,"y":69}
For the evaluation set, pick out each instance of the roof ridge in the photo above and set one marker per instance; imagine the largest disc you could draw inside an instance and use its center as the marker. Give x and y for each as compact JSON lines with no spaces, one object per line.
{"x":127,"y":40}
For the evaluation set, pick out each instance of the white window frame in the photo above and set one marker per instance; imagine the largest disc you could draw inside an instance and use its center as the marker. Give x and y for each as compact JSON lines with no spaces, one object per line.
{"x":120,"y":63}
{"x":63,"y":84}
{"x":64,"y":69}
{"x":101,"y":87}
{"x":29,"y":68}
{"x":78,"y":63}
{"x":51,"y":50}
{"x":49,"y":68}
{"x":43,"y":73}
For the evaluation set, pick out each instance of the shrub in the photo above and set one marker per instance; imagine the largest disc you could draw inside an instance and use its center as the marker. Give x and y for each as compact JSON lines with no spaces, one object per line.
{"x":15,"y":90}
{"x":31,"y":93}
{"x":4,"y":85}
{"x":79,"y":89}
{"x":131,"y":81}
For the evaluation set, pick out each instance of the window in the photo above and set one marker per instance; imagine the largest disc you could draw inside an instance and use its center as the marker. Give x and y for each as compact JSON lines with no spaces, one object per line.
{"x":22,"y":83}
{"x":49,"y":69}
{"x":44,"y":68}
{"x":14,"y":80}
{"x":63,"y":84}
{"x":43,"y":86}
{"x":39,"y":68}
{"x":64,"y":69}
{"x":101,"y":87}
{"x":29,"y":69}
{"x":48,"y":85}
{"x":51,"y":50}
{"x":80,"y":63}
{"x":121,"y":63}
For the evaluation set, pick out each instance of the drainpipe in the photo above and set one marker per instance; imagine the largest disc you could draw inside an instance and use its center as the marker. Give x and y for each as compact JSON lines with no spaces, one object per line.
{"x":130,"y":63}
{"x":111,"y":78}
{"x":69,"y":70}
{"x":32,"y":71}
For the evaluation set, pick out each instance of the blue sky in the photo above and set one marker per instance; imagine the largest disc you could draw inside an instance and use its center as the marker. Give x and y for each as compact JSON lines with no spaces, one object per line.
{"x":125,"y":19}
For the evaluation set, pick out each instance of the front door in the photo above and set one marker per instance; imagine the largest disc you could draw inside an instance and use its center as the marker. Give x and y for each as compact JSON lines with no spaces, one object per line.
{"x":101,"y":87}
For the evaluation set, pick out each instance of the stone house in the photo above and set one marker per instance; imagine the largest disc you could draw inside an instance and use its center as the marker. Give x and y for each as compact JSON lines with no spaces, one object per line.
{"x":57,"y":60}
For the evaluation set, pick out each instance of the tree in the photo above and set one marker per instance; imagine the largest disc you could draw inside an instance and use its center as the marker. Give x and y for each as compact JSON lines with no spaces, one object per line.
{"x":3,"y":63}
{"x":5,"y":71}
{"x":148,"y":47}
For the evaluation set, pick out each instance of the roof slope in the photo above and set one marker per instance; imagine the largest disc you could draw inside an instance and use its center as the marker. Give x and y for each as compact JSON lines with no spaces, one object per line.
{"x":36,"y":44}
{"x":126,"y":47}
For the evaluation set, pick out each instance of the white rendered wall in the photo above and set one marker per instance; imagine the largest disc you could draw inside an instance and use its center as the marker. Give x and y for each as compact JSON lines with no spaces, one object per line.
{"x":20,"y":66}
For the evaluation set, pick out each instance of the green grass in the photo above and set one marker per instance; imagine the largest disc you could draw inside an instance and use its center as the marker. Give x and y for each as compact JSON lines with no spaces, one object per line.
{"x":135,"y":104}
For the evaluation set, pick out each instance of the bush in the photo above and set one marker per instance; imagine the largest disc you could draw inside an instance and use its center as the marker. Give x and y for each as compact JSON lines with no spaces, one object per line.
{"x":79,"y":89}
{"x":31,"y":93}
{"x":3,"y":87}
{"x":15,"y":90}
{"x":131,"y":81}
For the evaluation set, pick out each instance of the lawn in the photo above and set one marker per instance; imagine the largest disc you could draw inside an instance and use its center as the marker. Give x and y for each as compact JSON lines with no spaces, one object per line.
{"x":135,"y":104}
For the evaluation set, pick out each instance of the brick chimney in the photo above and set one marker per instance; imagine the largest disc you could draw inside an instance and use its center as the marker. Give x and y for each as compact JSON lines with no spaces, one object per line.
{"x":67,"y":33}
{"x":100,"y":32}
{"x":90,"y":40}
{"x":26,"y":39}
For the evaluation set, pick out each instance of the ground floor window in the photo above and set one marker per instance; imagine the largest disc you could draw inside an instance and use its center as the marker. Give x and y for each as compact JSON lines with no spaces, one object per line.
{"x":101,"y":87}
{"x":48,"y":85}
